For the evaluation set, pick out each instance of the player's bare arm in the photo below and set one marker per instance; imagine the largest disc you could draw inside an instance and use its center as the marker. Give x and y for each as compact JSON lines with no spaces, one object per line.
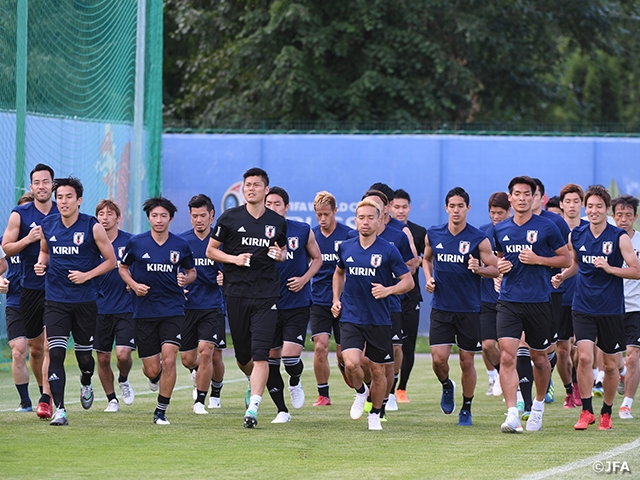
{"x":214,"y":253}
{"x":339,"y":277}
{"x":295,"y":284}
{"x":10,"y":243}
{"x":139,"y":289}
{"x":106,"y":250}
{"x":43,"y":258}
{"x":632,"y":271}
{"x":427,"y":266}
{"x":489,"y":266}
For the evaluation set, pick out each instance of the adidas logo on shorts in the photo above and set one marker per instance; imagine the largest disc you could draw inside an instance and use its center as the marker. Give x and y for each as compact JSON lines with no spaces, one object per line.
{"x":299,"y":337}
{"x":179,"y":337}
{"x":274,"y":307}
{"x":388,"y":357}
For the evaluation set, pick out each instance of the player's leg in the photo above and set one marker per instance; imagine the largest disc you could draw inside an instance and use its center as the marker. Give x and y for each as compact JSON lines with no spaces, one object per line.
{"x":125,"y":344}
{"x":217,"y":370}
{"x":442,"y":335}
{"x":17,"y":339}
{"x":410,"y":323}
{"x":294,"y":331}
{"x":102,"y":344}
{"x":83,"y":329}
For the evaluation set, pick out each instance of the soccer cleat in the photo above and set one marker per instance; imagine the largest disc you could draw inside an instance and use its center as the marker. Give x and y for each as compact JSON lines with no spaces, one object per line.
{"x":392,"y":405}
{"x":44,"y":410}
{"x":127,"y":392}
{"x":282,"y":417}
{"x":153,"y":387}
{"x":297,"y":396}
{"x":550,"y":396}
{"x":368,"y":406}
{"x":194,"y":374}
{"x":534,"y":423}
{"x":214,"y":402}
{"x":577,"y":399}
{"x":24,"y":407}
{"x":625,"y":413}
{"x":113,"y":406}
{"x":247,"y":396}
{"x":374,"y":421}
{"x":497,"y":388}
{"x":586,"y":418}
{"x":598,"y":390}
{"x":59,"y":418}
{"x":447,"y":401}
{"x":357,"y":409}
{"x":621,"y":385}
{"x":568,"y":401}
{"x":322,"y":401}
{"x":86,"y":396}
{"x":198,"y":409}
{"x":490,"y":389}
{"x":160,"y":418}
{"x":605,"y":422}
{"x":401,"y":396}
{"x":464,"y":418}
{"x":526,"y":414}
{"x":511,"y":424}
{"x":520,"y":407}
{"x":250,"y":419}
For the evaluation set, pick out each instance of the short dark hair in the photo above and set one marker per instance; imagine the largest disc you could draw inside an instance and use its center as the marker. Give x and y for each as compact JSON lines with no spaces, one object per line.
{"x":400,"y":193}
{"x":201,"y":200}
{"x":72,"y":182}
{"x":626,"y":200}
{"x":457,"y":192}
{"x":524,"y":180}
{"x":154,"y":202}
{"x":26,"y":198}
{"x":256,"y":172}
{"x":40,"y":168}
{"x":499,"y":200}
{"x":540,"y":185}
{"x":384,"y":188}
{"x":571,"y":188}
{"x":109,"y":204}
{"x":376,"y":193}
{"x":281,"y":192}
{"x":553,"y":202}
{"x":598,"y":191}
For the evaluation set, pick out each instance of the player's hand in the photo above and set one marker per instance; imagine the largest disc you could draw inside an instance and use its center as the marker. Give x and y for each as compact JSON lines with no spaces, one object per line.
{"x":474,"y":264}
{"x":274,"y":252}
{"x":336,"y":309}
{"x":4,"y":285}
{"x":504,"y":265}
{"x":35,"y":234}
{"x":556,"y":280}
{"x":528,"y":257}
{"x":39,"y":268}
{"x":295,"y":284}
{"x":182,"y":279}
{"x":77,"y":277}
{"x":140,"y":289}
{"x":431,"y":285}
{"x":220,"y":279}
{"x":497,"y":283}
{"x":602,"y":263}
{"x":379,"y":291}
{"x":243,"y":260}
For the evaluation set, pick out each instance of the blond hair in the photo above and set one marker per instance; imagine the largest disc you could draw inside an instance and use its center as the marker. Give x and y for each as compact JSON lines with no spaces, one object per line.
{"x":369,"y":203}
{"x":324,"y":199}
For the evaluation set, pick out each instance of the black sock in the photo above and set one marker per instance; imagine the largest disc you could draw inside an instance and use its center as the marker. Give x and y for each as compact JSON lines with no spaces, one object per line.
{"x":215,"y":388}
{"x":57,"y":374}
{"x":122,"y":379}
{"x":587,"y":404}
{"x":294,"y":367}
{"x":23,"y":391}
{"x":574,"y":375}
{"x":163,"y":403}
{"x":112,"y":396}
{"x":393,"y":385}
{"x":40,"y":388}
{"x":605,"y":409}
{"x":525,"y":373}
{"x":44,"y":398}
{"x":553,"y":359}
{"x":497,"y":367}
{"x":466,"y":403}
{"x":383,"y":409}
{"x":375,"y":410}
{"x":323,"y":390}
{"x":447,"y":384}
{"x":569,"y":388}
{"x":361,"y":390}
{"x":156,"y":379}
{"x":275,"y":385}
{"x":202,"y":394}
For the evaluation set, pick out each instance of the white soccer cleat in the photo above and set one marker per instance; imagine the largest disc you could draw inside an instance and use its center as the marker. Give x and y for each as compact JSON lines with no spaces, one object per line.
{"x":497,"y":388}
{"x":113,"y":406}
{"x":490,"y":389}
{"x":357,"y":409}
{"x":625,"y":413}
{"x":297,"y":396}
{"x":534,"y":423}
{"x":127,"y":392}
{"x":511,"y":424}
{"x":392,"y":404}
{"x":282,"y":417}
{"x":214,"y":402}
{"x":198,"y":409}
{"x":374,"y":421}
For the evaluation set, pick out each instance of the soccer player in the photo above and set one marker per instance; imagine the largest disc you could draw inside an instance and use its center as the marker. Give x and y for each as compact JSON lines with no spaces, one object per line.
{"x":528,"y":245}
{"x":15,"y":328}
{"x":69,"y":259}
{"x":329,"y":234}
{"x":625,"y":214}
{"x":499,"y":210}
{"x":400,"y":209}
{"x":253,"y":238}
{"x":553,"y":205}
{"x":599,"y":250}
{"x":362,"y":282}
{"x":204,"y":325}
{"x":452,"y":269}
{"x":150,"y":268}
{"x":302,"y":263}
{"x":22,"y":237}
{"x":115,"y":318}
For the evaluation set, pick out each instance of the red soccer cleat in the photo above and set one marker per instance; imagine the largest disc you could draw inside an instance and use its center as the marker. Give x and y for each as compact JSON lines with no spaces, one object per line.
{"x":44,"y":410}
{"x":577,"y":399}
{"x":569,"y":402}
{"x":605,"y":422}
{"x":322,"y":401}
{"x":586,"y":418}
{"x":401,"y":396}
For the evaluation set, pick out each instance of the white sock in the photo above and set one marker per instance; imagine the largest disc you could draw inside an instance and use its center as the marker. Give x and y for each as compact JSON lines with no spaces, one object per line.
{"x":254,"y":402}
{"x":492,"y":375}
{"x":623,"y":372}
{"x":538,"y":405}
{"x":595,"y":374}
{"x":513,"y":411}
{"x":600,"y":377}
{"x":627,"y":402}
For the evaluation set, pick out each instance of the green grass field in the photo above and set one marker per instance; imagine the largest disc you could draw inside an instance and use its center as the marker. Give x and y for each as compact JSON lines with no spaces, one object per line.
{"x":418,"y":441}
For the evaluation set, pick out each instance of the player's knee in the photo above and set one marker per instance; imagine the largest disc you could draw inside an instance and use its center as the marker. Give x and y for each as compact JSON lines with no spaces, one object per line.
{"x":85,"y":361}
{"x":632,"y":354}
{"x":507,"y":359}
{"x":205,"y":353}
{"x":57,"y":356}
{"x":123,"y":355}
{"x":104,"y":361}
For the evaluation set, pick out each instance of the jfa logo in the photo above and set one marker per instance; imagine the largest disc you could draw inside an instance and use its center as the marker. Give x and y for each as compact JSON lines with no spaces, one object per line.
{"x":607,"y":247}
{"x":78,"y":238}
{"x":463,"y":247}
{"x":336,"y":245}
{"x":294,"y":243}
{"x":174,"y":256}
{"x":269,"y":231}
{"x":376,"y":260}
{"x":532,"y":236}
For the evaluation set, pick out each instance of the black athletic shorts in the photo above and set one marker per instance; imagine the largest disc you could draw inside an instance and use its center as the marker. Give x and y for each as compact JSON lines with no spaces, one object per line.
{"x":488,"y":315}
{"x":556,"y":313}
{"x":376,"y":339}
{"x":32,"y":311}
{"x":152,"y":333}
{"x":291,"y":327}
{"x":606,"y":331}
{"x":322,"y":321}
{"x":631,"y":329}
{"x":15,"y":326}
{"x":203,"y":326}
{"x":565,"y":332}
{"x":534,"y":319}
{"x":118,"y":327}
{"x":79,"y":319}
{"x":410,"y":317}
{"x":252,"y":322}
{"x":460,"y":328}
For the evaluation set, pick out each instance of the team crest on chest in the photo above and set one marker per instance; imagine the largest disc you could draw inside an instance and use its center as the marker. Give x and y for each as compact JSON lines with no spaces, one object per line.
{"x":336,"y":245}
{"x":78,"y":238}
{"x":607,"y":247}
{"x":376,"y":260}
{"x":532,"y":236}
{"x":463,"y":247}
{"x":174,"y":256}
{"x":269,"y":231}
{"x":293,"y":242}
{"x":120,"y":252}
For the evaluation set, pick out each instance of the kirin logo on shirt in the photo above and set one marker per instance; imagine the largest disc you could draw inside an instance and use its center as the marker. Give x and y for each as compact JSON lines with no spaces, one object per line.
{"x":269,"y":231}
{"x":532,"y":236}
{"x":293,"y":242}
{"x":607,"y":247}
{"x":174,"y":256}
{"x":336,"y":245}
{"x":376,"y":260}
{"x":464,"y":246}
{"x":120,"y":251}
{"x":78,"y":238}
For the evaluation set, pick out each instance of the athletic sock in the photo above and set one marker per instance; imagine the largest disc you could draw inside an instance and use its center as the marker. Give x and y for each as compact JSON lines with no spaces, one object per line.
{"x":375,"y":410}
{"x":569,"y":388}
{"x":254,"y":402}
{"x":587,"y":404}
{"x":323,"y":390}
{"x":57,"y":375}
{"x":383,"y":409}
{"x":157,"y":378}
{"x":202,"y":394}
{"x":395,"y":382}
{"x":493,"y":374}
{"x":466,"y":403}
{"x":122,"y":379}
{"x":627,"y":402}
{"x":216,"y":387}
{"x":40,"y":388}
{"x":553,"y":359}
{"x":574,"y":375}
{"x":275,"y":385}
{"x":525,"y":374}
{"x":623,"y":372}
{"x":605,"y":409}
{"x":342,"y":367}
{"x":538,"y":406}
{"x":447,"y":384}
{"x":294,"y":367}
{"x":497,"y":367}
{"x":23,"y":391}
{"x":163,"y":403}
{"x":44,"y":398}
{"x":362,"y":389}
{"x":112,"y":396}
